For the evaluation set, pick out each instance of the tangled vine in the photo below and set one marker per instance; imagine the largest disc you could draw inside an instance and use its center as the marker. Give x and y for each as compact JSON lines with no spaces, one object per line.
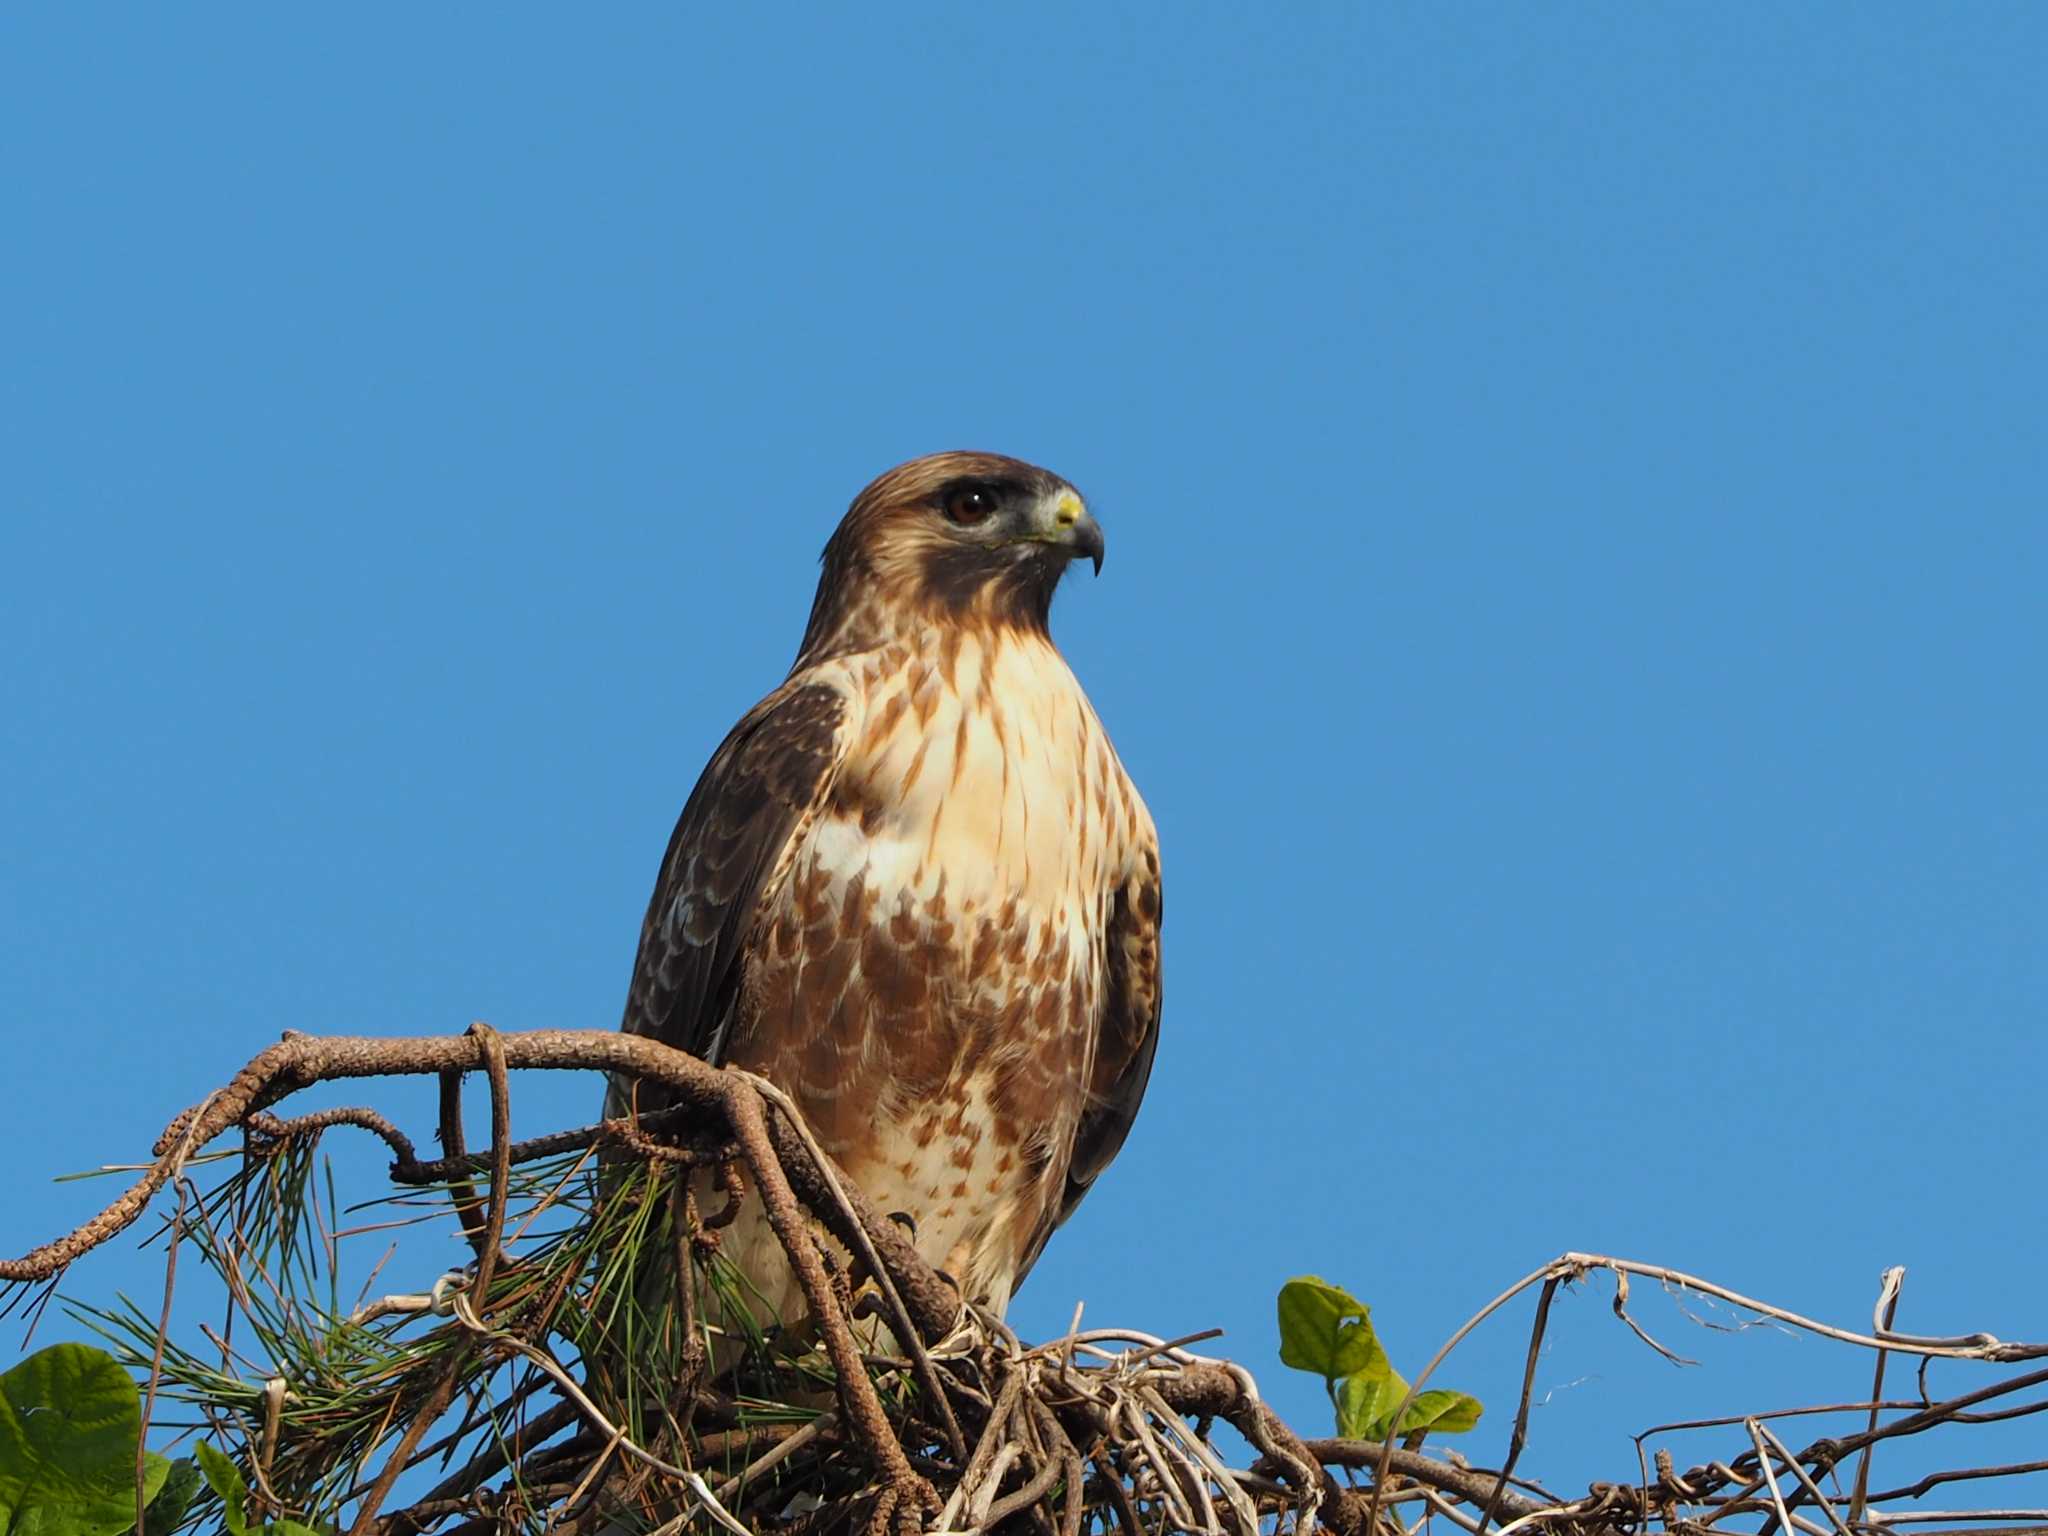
{"x":583,"y":1373}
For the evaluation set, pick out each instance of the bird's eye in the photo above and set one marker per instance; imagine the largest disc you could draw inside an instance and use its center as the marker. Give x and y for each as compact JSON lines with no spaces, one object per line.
{"x":969,"y":505}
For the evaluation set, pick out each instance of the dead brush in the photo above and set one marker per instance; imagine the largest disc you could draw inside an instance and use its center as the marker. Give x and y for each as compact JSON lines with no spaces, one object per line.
{"x":570,"y":1379}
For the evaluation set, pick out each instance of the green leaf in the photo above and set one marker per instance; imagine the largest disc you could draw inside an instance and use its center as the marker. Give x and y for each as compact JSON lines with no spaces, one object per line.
{"x":1443,"y":1413}
{"x":155,"y":1472}
{"x":1324,"y":1329}
{"x":173,"y":1501}
{"x":225,"y":1479}
{"x":292,"y":1528}
{"x":69,"y":1420}
{"x":1367,"y":1398}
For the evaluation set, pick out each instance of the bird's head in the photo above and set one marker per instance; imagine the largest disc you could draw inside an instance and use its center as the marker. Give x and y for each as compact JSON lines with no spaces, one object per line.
{"x":972,"y":538}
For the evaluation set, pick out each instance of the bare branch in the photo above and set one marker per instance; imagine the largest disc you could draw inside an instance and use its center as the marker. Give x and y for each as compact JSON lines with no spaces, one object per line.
{"x":958,"y":1420}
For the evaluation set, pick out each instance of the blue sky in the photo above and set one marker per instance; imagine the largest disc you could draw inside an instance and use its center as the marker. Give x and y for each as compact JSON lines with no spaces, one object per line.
{"x":1574,"y":488}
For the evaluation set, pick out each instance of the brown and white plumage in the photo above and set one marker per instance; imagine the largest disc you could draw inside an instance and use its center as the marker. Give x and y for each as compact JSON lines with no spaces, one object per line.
{"x":915,"y":888}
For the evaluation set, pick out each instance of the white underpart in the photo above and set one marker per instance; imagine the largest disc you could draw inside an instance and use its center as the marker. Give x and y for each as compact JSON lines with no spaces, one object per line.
{"x":1038,"y":814}
{"x":1009,"y":822}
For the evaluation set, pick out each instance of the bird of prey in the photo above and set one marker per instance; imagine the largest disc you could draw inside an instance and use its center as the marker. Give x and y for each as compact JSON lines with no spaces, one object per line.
{"x":915,"y":888}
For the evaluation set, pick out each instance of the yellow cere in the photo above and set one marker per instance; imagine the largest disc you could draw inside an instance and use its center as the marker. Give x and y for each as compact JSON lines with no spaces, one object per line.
{"x":1067,"y":509}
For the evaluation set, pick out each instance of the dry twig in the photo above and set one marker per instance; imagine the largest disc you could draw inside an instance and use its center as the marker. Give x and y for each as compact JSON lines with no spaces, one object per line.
{"x":965,"y":1429}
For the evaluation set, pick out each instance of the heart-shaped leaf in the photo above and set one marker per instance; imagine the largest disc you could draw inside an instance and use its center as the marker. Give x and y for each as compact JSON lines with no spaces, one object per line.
{"x":1443,"y":1413}
{"x":69,"y":1420}
{"x":174,"y":1500}
{"x":1325,"y":1329}
{"x":1367,"y":1398}
{"x":225,"y":1479}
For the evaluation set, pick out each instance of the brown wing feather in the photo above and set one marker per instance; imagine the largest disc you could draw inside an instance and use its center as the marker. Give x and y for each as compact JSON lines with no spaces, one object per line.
{"x":1127,"y":1038}
{"x":755,"y":793}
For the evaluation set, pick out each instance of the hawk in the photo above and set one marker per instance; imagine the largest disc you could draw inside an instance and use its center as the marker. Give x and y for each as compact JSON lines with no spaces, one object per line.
{"x":915,"y":888}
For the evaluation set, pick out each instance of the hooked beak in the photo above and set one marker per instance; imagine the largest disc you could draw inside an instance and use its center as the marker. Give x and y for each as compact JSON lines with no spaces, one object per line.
{"x":1070,"y":526}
